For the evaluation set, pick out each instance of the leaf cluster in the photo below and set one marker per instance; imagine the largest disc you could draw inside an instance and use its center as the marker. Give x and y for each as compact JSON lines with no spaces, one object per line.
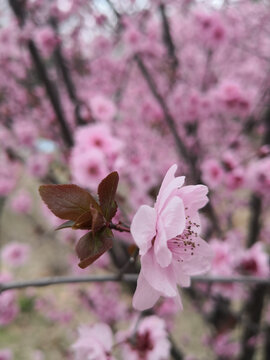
{"x":82,"y":211}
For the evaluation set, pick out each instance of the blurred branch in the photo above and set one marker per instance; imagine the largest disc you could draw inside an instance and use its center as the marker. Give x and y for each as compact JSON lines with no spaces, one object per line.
{"x":18,"y":9}
{"x":254,"y":310}
{"x":254,"y":224}
{"x":63,"y":67}
{"x":52,"y":93}
{"x":167,"y":38}
{"x":126,"y":278}
{"x":182,"y":151}
{"x":167,"y":115}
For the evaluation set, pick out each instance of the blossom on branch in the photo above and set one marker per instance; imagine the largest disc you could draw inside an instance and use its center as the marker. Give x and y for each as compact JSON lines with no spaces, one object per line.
{"x":168,"y":238}
{"x":94,"y":342}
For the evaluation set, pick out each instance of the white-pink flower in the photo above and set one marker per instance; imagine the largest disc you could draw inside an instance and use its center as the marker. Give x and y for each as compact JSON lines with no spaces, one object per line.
{"x":15,"y":254}
{"x":94,"y":343}
{"x":168,"y":238}
{"x":149,"y":342}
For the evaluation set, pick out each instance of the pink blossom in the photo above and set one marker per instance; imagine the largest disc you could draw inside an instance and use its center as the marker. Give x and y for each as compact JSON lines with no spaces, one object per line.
{"x":150,"y":341}
{"x":102,"y":108}
{"x":46,"y":39}
{"x":258,"y":175}
{"x":38,"y":165}
{"x":6,"y":354}
{"x":88,"y":168}
{"x":8,"y":306}
{"x":26,"y":132}
{"x":94,"y":342}
{"x":226,"y":348}
{"x":15,"y":254}
{"x":21,"y":203}
{"x":168,"y":238}
{"x":254,"y":261}
{"x":212,"y":173}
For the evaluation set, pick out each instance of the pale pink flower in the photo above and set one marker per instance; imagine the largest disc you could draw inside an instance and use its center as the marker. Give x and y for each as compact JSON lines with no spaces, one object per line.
{"x":168,"y":238}
{"x":46,"y":39}
{"x":21,"y":203}
{"x":89,"y":168}
{"x":15,"y":254}
{"x":102,"y":108}
{"x":212,"y":173}
{"x":224,"y":347}
{"x":94,"y":342}
{"x":8,"y":306}
{"x":150,"y":341}
{"x":6,"y":354}
{"x":254,"y":261}
{"x":26,"y":132}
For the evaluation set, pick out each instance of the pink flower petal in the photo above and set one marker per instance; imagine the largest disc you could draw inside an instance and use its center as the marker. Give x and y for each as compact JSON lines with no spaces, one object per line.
{"x":169,"y":191}
{"x":162,"y":252}
{"x":145,"y":296}
{"x":173,"y":217}
{"x":194,"y":197}
{"x":201,"y":260}
{"x":143,"y":227}
{"x":161,"y":279}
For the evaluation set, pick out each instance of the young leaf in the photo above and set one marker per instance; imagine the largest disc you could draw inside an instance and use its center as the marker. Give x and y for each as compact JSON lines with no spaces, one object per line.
{"x":106,"y":193}
{"x":66,"y":224}
{"x":84,"y":221}
{"x":90,"y":247}
{"x":67,"y":202}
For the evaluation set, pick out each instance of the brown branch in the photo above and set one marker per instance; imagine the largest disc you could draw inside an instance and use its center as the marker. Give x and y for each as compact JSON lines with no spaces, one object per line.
{"x":254,"y":310}
{"x":167,"y":38}
{"x":18,"y":9}
{"x":58,"y":280}
{"x":63,"y":67}
{"x":180,"y":146}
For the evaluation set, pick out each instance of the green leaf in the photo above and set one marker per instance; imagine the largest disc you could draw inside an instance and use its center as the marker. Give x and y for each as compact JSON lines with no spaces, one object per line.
{"x":67,"y":202}
{"x":106,"y":193}
{"x":66,"y":224}
{"x":91,"y":246}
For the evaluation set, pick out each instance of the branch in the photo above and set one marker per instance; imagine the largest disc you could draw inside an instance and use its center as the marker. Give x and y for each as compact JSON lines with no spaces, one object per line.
{"x":254,"y":312}
{"x":168,"y":117}
{"x":126,"y":278}
{"x":167,"y":38}
{"x":180,"y":146}
{"x":51,"y":92}
{"x":62,"y":64}
{"x":19,"y":11}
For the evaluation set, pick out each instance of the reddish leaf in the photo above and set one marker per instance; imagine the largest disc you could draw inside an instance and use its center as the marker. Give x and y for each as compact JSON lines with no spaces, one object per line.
{"x":84,"y":221}
{"x":67,"y":202}
{"x":90,"y":247}
{"x":106,"y":193}
{"x":98,"y":220}
{"x":66,"y":224}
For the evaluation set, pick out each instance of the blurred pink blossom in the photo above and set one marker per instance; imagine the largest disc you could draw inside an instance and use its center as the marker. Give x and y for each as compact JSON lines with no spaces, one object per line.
{"x":94,"y":342}
{"x":15,"y":254}
{"x":150,"y":341}
{"x":21,"y":202}
{"x":6,"y":354}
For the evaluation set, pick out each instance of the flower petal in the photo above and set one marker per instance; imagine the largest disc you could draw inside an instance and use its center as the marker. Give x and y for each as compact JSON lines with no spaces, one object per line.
{"x":201,"y":260}
{"x":162,"y":252}
{"x":145,"y":296}
{"x":194,"y":197}
{"x":143,"y":227}
{"x":161,"y":279}
{"x":173,"y":217}
{"x":170,"y":190}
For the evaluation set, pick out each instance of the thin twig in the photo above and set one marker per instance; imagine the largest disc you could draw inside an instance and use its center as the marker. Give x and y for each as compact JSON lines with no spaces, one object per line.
{"x":126,"y":278}
{"x":167,"y":38}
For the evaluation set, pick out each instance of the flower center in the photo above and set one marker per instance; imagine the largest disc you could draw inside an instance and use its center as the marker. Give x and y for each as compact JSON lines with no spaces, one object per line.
{"x":184,"y":245}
